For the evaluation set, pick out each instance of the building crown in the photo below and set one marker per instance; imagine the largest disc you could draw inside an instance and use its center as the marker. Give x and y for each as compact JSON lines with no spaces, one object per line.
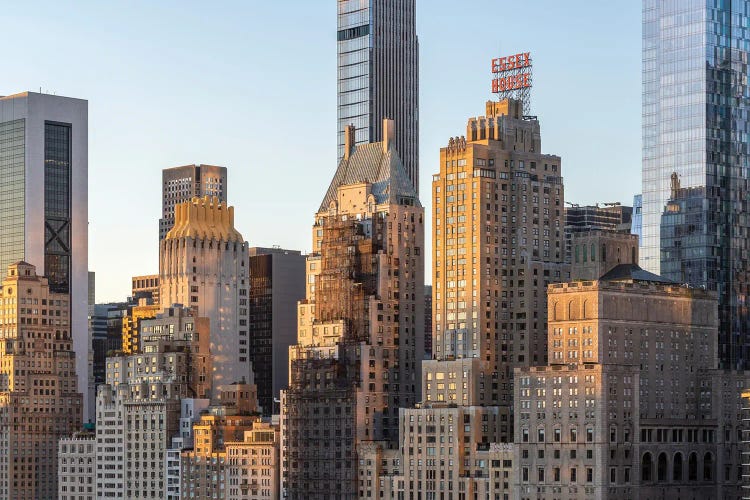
{"x":204,"y":218}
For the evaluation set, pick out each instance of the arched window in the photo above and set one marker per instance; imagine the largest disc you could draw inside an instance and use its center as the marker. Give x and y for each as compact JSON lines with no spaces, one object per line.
{"x":576,"y":253}
{"x":585,"y":304}
{"x":647,"y":467}
{"x":571,"y":311}
{"x":708,"y":467}
{"x":593,"y":252}
{"x":677,"y":467}
{"x":661,"y":467}
{"x":693,"y":467}
{"x":604,"y":252}
{"x":632,"y":256}
{"x":585,"y":252}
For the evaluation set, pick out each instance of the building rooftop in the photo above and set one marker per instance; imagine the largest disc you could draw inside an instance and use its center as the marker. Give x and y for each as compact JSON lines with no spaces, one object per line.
{"x":373,"y":164}
{"x":632,"y":272}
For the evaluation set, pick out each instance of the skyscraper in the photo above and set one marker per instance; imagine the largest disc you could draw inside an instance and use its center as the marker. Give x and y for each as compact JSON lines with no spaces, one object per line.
{"x":203,"y":264}
{"x":44,"y":200}
{"x":498,"y":232}
{"x":180,"y":184}
{"x":360,"y":330}
{"x":695,"y":108}
{"x":277,"y":283}
{"x":378,"y":75}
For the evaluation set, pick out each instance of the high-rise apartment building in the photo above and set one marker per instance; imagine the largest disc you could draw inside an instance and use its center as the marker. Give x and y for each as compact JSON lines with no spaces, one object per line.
{"x":39,"y":397}
{"x":498,"y":242}
{"x":44,"y":195}
{"x":139,"y":408}
{"x":181,"y":184}
{"x":694,"y":69}
{"x":378,"y":76}
{"x":277,"y":283}
{"x":361,"y":334}
{"x":203,"y":264}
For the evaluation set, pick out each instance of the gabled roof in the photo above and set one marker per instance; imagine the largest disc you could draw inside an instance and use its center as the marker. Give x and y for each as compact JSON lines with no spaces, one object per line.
{"x":385,"y":171}
{"x":632,"y":272}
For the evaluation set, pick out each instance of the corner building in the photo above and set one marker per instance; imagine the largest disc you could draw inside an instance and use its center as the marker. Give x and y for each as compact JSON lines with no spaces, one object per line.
{"x":498,"y":242}
{"x":361,"y":331}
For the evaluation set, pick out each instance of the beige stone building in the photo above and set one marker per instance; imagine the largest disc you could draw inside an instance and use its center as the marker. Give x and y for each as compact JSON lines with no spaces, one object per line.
{"x":631,"y":404}
{"x":361,"y":332}
{"x":39,"y":398}
{"x":253,"y":464}
{"x":498,"y":242}
{"x":203,"y":263}
{"x":76,"y":469}
{"x":235,"y":455}
{"x":204,"y":466}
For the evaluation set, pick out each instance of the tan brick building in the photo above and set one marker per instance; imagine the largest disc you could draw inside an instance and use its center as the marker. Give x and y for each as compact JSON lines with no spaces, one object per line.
{"x":39,"y":398}
{"x":361,"y":332}
{"x":498,"y":242}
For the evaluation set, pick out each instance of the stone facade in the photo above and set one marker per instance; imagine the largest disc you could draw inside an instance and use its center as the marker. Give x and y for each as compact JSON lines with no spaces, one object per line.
{"x":498,"y":242}
{"x":76,"y":469}
{"x":361,"y":334}
{"x":203,"y":263}
{"x":631,"y":404}
{"x":39,"y":398}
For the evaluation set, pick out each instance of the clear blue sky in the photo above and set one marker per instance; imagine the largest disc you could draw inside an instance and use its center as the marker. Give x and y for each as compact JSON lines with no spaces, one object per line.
{"x":251,"y":86}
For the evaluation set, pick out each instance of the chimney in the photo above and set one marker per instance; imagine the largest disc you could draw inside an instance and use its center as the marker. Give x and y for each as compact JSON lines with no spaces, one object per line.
{"x":348,"y":141}
{"x":388,"y":133}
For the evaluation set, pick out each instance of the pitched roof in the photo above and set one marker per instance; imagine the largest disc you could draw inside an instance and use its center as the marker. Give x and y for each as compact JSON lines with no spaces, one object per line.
{"x":632,"y":272}
{"x":385,"y":171}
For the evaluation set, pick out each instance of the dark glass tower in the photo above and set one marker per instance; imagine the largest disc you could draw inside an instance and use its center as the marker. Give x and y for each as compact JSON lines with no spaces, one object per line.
{"x":57,"y":206}
{"x":695,"y":125}
{"x":378,"y":75}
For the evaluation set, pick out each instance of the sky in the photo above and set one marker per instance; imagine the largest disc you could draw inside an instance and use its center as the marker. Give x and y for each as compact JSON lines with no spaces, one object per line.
{"x":251,"y":85}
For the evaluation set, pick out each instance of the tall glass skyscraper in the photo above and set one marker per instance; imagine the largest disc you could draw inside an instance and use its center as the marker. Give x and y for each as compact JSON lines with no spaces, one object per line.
{"x":378,"y":74}
{"x":695,"y":125}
